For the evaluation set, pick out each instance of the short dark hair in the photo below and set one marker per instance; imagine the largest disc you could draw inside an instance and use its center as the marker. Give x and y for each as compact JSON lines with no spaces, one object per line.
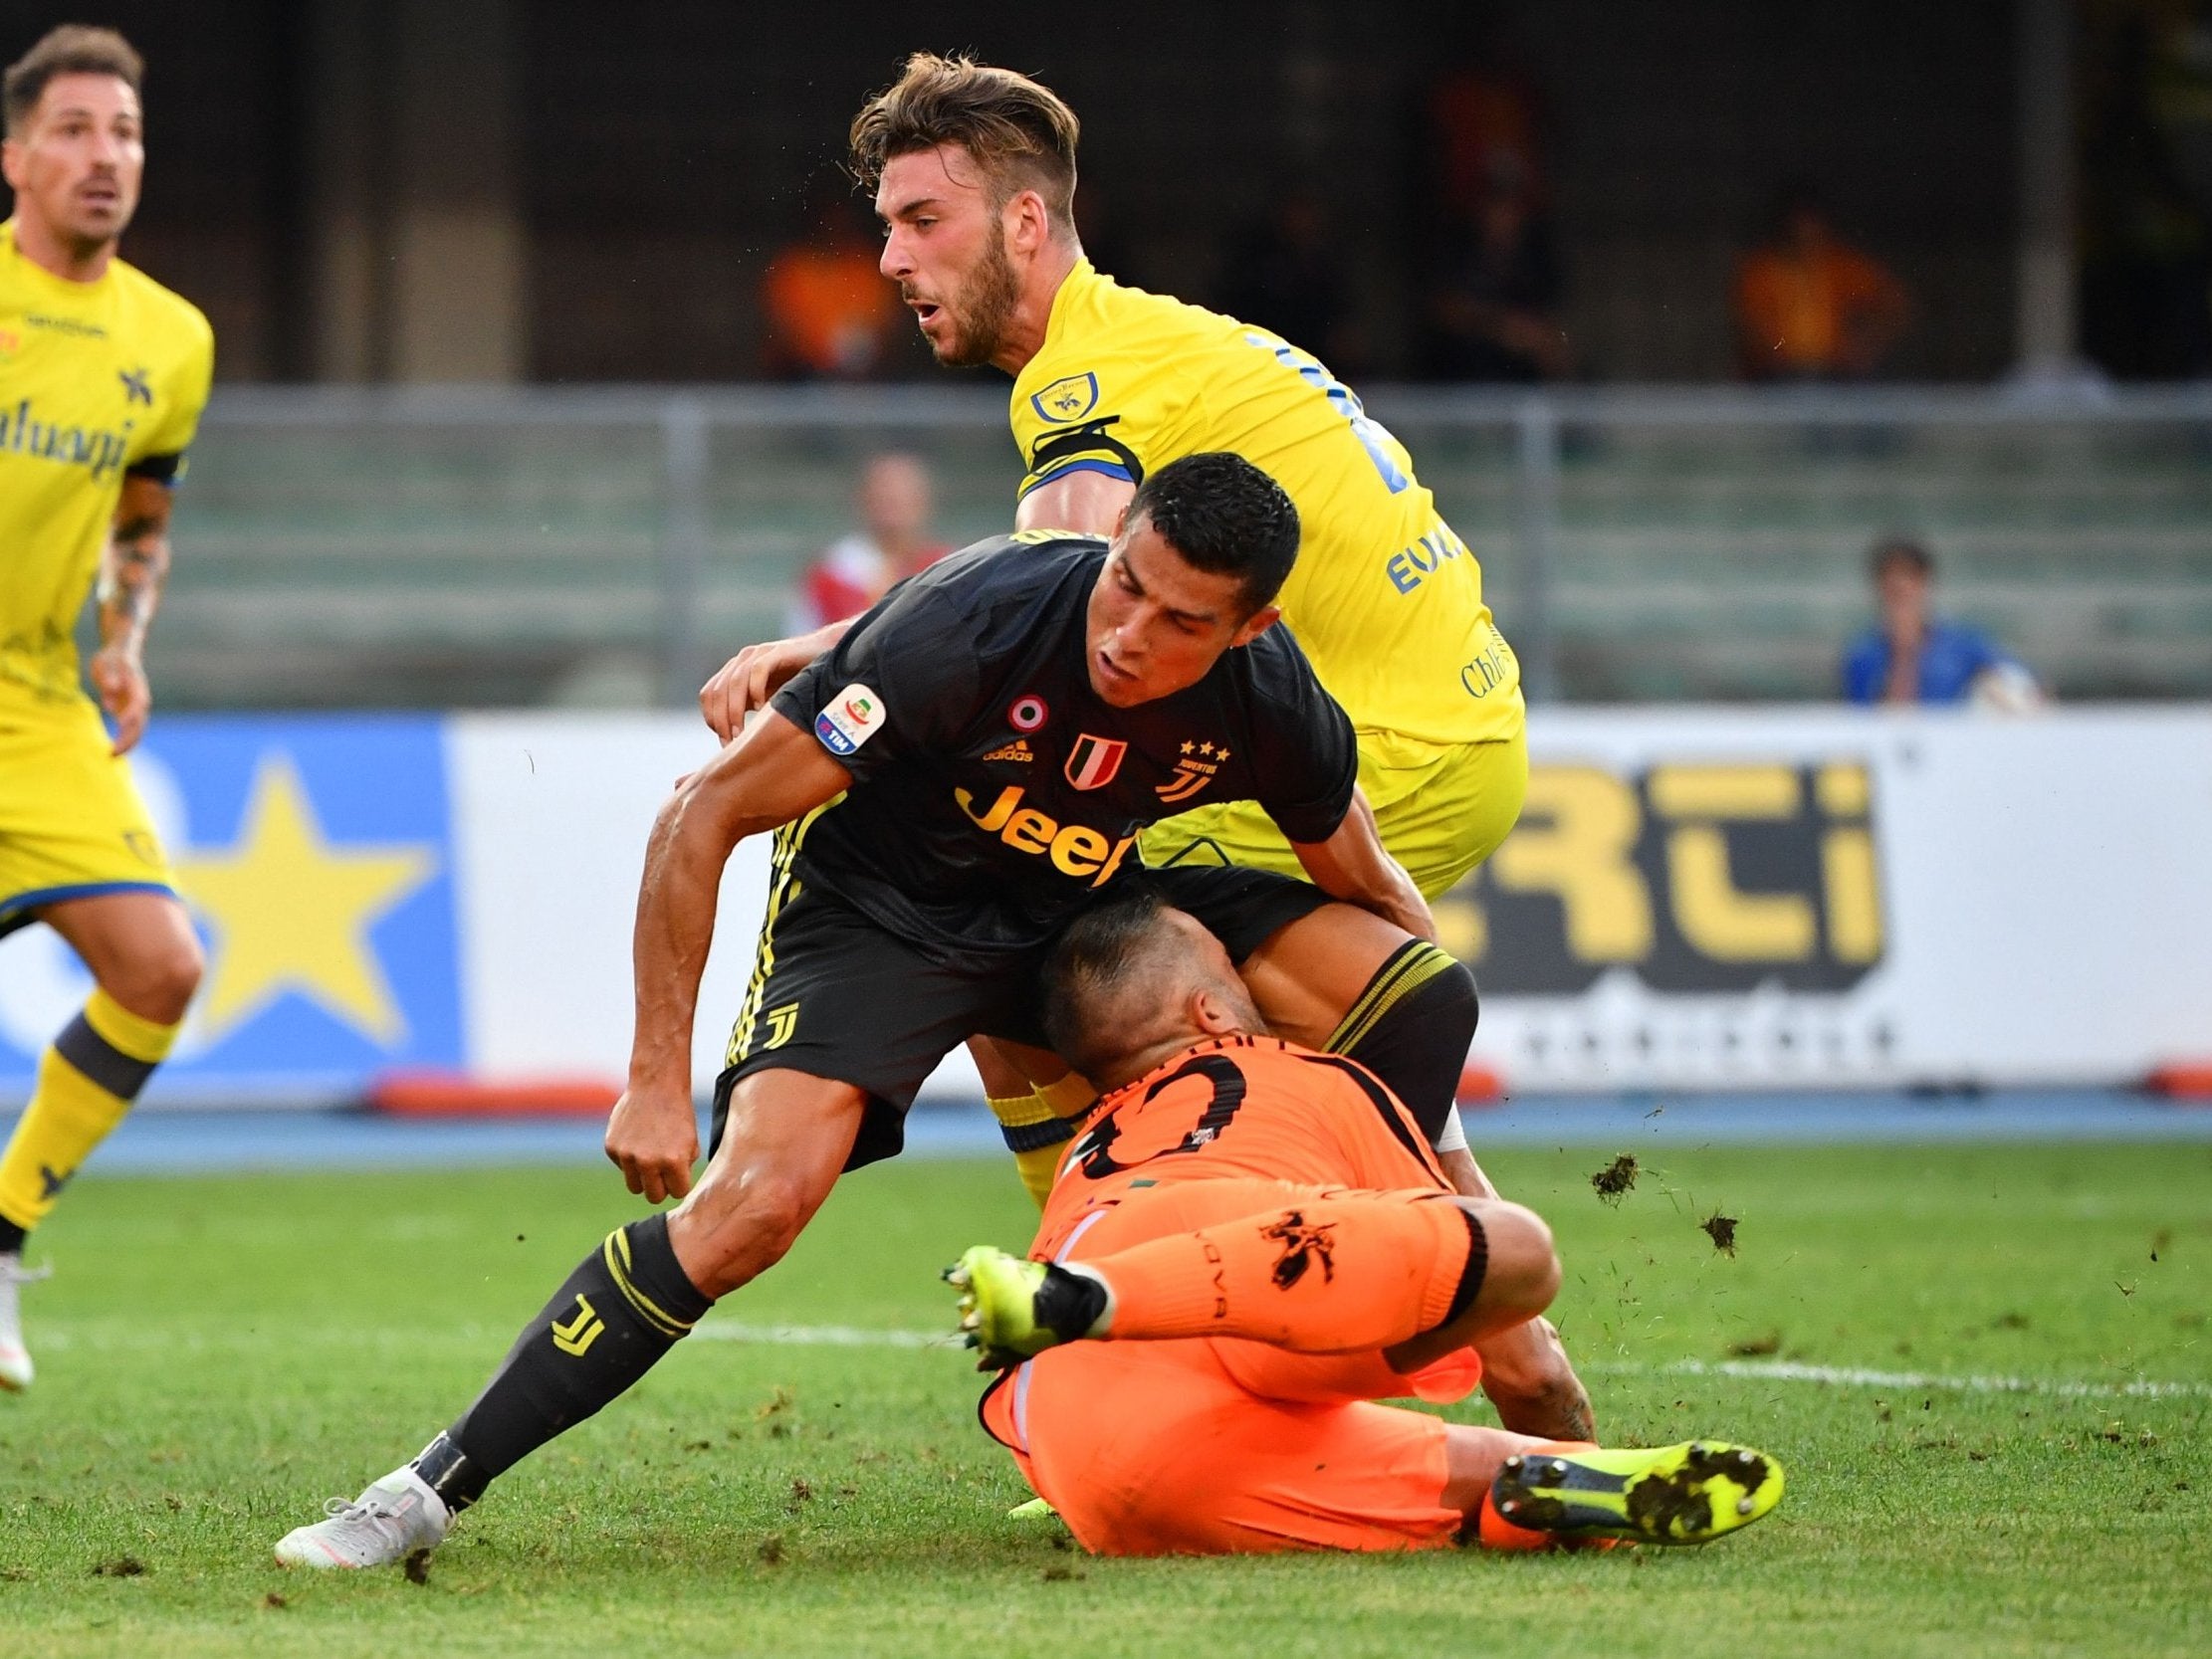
{"x":1225,"y":516}
{"x":1105,"y":949}
{"x":72,"y":49}
{"x":1900,"y":549}
{"x":1019,"y":131}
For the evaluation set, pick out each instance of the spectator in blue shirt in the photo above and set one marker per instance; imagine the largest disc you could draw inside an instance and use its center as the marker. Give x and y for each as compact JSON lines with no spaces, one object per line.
{"x":1916,"y":657}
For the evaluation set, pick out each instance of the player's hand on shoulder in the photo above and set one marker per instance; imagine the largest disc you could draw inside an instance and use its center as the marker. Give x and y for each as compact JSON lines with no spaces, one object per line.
{"x":120,"y":680}
{"x":747,"y":681}
{"x":653,"y":1138}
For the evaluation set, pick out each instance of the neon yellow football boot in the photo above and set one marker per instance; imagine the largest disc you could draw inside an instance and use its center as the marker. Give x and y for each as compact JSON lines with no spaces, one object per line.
{"x":1012,"y":1308}
{"x":1687,"y":1494}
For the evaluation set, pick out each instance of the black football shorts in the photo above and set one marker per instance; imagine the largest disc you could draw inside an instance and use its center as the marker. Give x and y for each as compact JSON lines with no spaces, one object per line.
{"x":836,"y":994}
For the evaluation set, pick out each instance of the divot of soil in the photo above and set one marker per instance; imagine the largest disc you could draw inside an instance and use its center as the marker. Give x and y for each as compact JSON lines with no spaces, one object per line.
{"x":1616,"y":1179}
{"x":1721,"y":1229}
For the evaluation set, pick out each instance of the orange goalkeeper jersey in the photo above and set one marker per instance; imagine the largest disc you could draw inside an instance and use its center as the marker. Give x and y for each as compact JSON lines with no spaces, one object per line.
{"x":1238,"y":1107}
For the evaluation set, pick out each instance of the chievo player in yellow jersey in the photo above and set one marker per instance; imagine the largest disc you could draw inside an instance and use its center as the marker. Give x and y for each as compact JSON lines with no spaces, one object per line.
{"x":103,"y":376}
{"x":975,"y":173}
{"x":974,"y":169}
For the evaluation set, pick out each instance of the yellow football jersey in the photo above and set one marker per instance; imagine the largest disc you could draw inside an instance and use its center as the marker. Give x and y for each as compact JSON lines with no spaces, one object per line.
{"x":1384,"y":598}
{"x":97,"y":379}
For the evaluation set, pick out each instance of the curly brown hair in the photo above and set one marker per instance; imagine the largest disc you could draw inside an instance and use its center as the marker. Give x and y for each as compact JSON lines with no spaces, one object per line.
{"x":1019,"y":131}
{"x":72,"y":49}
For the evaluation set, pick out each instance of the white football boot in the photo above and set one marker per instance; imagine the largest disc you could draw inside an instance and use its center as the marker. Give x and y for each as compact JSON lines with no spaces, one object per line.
{"x":394,"y":1519}
{"x":16,"y":1369}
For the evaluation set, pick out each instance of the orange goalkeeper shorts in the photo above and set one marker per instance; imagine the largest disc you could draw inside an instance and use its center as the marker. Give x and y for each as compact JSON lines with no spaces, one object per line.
{"x":1220,"y":1446}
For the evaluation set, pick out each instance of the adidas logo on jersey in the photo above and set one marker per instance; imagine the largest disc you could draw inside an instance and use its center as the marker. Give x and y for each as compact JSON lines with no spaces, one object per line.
{"x":1018,"y":749}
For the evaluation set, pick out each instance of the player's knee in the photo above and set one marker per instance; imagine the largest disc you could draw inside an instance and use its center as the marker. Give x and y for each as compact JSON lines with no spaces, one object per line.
{"x":157,"y":982}
{"x":1522,"y":1275}
{"x":1416,"y":1040}
{"x":1457,"y":1006}
{"x":736,"y":1229}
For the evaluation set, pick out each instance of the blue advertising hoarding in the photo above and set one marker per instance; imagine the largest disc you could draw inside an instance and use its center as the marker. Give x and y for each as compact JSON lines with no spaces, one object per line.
{"x":316,"y":854}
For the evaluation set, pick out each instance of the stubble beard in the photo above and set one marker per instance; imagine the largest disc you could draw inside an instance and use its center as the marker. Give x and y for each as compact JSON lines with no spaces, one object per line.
{"x":981,"y":321}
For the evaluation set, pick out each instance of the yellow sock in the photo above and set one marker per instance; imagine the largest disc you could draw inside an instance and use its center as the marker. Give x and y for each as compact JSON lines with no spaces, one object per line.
{"x":88,"y":1077}
{"x":1035,"y":1136}
{"x":1039,"y":1124}
{"x":1070,"y":1098}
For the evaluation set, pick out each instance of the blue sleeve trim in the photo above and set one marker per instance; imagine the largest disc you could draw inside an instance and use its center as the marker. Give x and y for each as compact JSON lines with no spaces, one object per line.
{"x":16,"y":911}
{"x":1111,"y":469}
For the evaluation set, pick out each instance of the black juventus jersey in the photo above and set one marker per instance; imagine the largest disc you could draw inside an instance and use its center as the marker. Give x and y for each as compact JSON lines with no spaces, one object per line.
{"x":993,"y":793}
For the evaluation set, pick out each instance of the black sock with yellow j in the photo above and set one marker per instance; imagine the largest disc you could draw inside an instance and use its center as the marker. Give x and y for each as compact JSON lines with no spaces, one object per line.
{"x":627,"y":1303}
{"x":89,"y":1076}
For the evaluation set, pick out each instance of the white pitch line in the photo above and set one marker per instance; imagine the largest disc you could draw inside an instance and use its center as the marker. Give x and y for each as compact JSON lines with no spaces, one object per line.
{"x":822,"y":1336}
{"x":1853,"y":1377}
{"x":1757,"y":1370}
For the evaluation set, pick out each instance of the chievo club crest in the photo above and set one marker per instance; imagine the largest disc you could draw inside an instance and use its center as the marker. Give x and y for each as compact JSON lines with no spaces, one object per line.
{"x":1093,"y":761}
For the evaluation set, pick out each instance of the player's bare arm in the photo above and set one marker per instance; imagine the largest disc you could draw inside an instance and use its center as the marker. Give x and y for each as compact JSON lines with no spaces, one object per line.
{"x":1352,"y":865}
{"x":133,"y":569}
{"x":1079,"y":499}
{"x":771,"y":775}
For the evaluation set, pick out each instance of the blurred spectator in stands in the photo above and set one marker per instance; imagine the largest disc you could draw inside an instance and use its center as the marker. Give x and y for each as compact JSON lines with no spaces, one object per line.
{"x":1482,"y":115}
{"x":892,"y":544}
{"x":828,"y":309}
{"x":1490,"y":310}
{"x":1284,"y":275}
{"x":1913,"y":656}
{"x":1809,"y":305}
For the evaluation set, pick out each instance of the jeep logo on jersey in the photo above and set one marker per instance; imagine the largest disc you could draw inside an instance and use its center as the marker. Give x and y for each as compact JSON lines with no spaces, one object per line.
{"x":1093,"y":761}
{"x":1068,"y":398}
{"x":849,"y":719}
{"x":1074,"y":849}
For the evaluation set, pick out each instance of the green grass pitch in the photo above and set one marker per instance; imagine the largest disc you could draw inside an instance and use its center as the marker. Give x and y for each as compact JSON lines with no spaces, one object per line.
{"x":219,"y":1355}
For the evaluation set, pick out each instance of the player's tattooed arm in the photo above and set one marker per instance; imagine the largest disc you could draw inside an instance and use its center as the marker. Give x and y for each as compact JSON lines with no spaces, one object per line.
{"x":133,"y":569}
{"x":1352,"y":865}
{"x":1525,"y":1369}
{"x":1532,"y":1384}
{"x":773,"y":773}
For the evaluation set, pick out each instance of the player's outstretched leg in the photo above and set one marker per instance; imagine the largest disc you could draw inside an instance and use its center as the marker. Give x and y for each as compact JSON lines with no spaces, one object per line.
{"x":1687,"y":1494}
{"x":624,"y":1306}
{"x":1336,"y":1273}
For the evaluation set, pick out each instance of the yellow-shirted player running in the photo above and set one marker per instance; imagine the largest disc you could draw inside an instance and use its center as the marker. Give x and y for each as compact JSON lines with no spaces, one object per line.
{"x":974,"y":169}
{"x":103,"y":376}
